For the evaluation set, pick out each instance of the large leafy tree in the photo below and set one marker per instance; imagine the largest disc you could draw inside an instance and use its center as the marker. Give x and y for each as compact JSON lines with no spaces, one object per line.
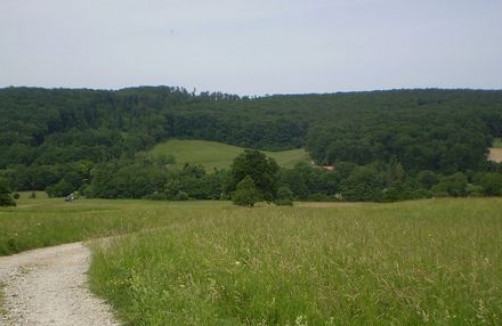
{"x":261,"y":169}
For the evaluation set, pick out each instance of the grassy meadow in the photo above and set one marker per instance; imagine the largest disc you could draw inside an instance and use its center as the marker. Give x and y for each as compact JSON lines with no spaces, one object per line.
{"x":435,"y":262}
{"x":213,"y":155}
{"x":43,"y":221}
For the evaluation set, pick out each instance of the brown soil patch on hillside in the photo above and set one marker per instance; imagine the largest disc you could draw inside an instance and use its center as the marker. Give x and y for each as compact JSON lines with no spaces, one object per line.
{"x":495,"y":155}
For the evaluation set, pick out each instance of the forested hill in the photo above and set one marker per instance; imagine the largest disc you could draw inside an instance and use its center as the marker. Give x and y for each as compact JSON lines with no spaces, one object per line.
{"x":438,"y":130}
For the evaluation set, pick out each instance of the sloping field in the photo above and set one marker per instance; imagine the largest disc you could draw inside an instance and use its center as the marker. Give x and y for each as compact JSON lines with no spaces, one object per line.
{"x":218,"y":155}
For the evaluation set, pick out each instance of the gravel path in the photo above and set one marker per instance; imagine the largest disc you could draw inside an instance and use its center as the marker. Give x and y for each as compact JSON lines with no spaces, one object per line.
{"x":47,"y":287}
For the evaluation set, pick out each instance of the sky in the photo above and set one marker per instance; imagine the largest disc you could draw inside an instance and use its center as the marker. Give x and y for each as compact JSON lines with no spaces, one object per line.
{"x":254,"y":47}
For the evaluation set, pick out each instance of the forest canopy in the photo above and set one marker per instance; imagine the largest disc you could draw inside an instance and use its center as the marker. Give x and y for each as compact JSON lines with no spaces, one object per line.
{"x":63,"y":138}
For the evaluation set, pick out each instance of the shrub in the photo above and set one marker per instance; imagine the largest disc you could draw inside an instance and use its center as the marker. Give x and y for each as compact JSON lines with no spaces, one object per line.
{"x":284,"y":197}
{"x":6,"y":196}
{"x":246,"y":193}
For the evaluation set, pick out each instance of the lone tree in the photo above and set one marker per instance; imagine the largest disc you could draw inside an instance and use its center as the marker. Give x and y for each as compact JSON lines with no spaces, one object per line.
{"x":6,"y":196}
{"x":262,"y":170}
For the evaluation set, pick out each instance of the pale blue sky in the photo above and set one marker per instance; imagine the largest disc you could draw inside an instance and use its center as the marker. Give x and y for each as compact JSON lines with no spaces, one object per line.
{"x":252,"y":47}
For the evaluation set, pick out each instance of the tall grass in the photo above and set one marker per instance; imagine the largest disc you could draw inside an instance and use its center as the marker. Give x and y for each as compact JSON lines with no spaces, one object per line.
{"x":434,"y":262}
{"x":45,"y":222}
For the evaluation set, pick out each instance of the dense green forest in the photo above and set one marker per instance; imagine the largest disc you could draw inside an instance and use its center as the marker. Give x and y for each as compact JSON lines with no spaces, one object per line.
{"x":384,"y":145}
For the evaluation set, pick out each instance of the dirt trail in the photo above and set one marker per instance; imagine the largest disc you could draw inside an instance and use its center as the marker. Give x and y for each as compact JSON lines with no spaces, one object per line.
{"x":48,"y":287}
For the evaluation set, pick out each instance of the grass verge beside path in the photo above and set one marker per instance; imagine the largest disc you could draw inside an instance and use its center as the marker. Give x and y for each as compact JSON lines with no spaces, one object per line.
{"x":43,"y":222}
{"x":432,"y":262}
{"x":3,"y":312}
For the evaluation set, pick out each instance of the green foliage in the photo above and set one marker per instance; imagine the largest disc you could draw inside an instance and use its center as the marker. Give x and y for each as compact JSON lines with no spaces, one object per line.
{"x":454,"y":185}
{"x":140,"y":178}
{"x":427,"y":179}
{"x":393,"y":125}
{"x":491,"y":183}
{"x":364,"y":184}
{"x":497,"y":143}
{"x":61,"y":189}
{"x":6,"y":194}
{"x":131,"y":179}
{"x":246,"y":193}
{"x":261,"y":169}
{"x":57,"y":137}
{"x":193,"y":182}
{"x":308,"y":182}
{"x":284,"y":197}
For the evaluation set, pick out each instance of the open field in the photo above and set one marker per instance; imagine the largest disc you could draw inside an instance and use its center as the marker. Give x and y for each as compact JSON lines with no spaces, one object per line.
{"x":432,"y":262}
{"x":218,"y":155}
{"x":43,"y":221}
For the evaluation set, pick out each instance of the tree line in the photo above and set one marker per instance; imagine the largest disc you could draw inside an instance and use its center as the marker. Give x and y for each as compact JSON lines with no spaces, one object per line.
{"x":383,"y":145}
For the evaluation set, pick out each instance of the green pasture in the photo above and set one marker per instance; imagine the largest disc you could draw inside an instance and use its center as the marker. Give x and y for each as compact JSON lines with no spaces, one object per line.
{"x":434,"y":262}
{"x":213,"y":155}
{"x":44,"y":221}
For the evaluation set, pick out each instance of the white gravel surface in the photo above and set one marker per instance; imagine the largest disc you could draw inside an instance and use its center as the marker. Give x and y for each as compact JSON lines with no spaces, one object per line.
{"x":49,"y":287}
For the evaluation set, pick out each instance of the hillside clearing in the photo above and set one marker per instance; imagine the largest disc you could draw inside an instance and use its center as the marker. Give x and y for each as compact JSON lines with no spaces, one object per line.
{"x":217,"y":155}
{"x":495,"y":155}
